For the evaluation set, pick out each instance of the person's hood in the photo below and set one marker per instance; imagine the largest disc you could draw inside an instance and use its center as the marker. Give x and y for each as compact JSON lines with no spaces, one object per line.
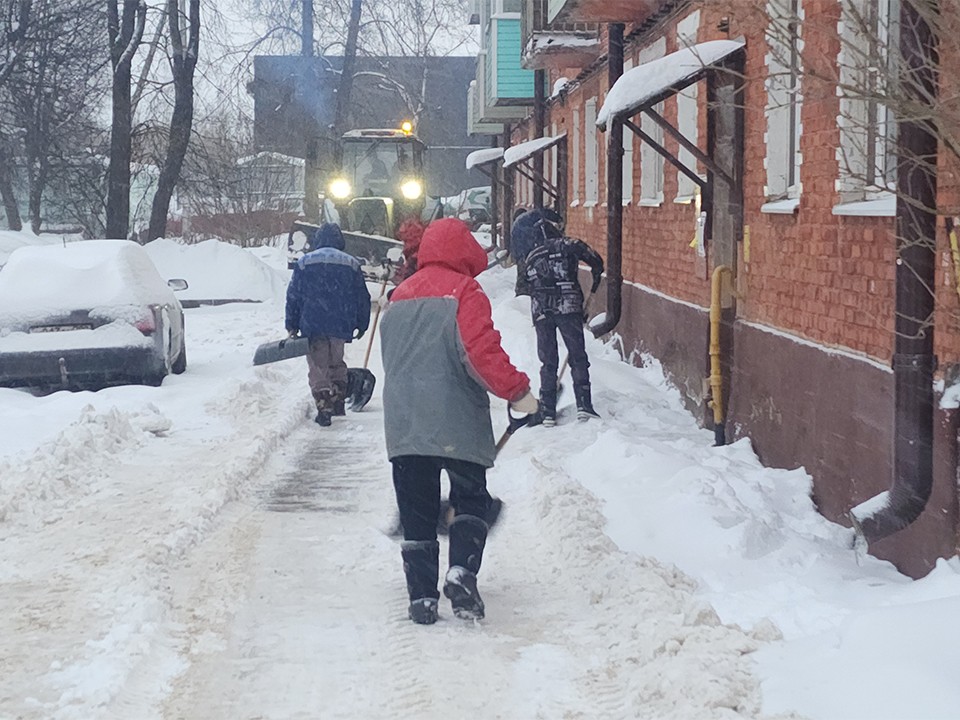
{"x":450,"y":243}
{"x":328,"y":235}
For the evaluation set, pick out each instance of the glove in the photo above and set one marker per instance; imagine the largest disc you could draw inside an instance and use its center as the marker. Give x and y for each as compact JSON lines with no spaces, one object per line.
{"x":527,"y":405}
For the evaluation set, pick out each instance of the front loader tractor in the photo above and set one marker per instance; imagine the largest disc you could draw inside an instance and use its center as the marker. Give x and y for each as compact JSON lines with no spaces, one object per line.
{"x":378,"y":184}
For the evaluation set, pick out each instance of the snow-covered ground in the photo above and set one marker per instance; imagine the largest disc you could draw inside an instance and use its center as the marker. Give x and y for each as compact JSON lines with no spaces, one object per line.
{"x":203,"y":550}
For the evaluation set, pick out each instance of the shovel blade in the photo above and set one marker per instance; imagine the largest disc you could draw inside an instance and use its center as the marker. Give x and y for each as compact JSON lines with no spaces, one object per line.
{"x":281,"y":350}
{"x":360,"y":385}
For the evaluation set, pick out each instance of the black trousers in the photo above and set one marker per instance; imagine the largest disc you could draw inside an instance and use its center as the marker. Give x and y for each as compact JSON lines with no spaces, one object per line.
{"x":416,"y":480}
{"x":571,"y":329}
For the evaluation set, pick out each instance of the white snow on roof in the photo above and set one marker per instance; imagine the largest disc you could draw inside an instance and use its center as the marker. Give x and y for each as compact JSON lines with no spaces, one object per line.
{"x":272,"y":156}
{"x":560,"y":85}
{"x":481,"y":157}
{"x":548,"y":41}
{"x":645,"y":82}
{"x":524,"y":150}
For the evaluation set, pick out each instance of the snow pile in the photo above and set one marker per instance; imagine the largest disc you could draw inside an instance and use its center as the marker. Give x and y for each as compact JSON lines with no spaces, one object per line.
{"x":69,"y":466}
{"x":217,"y":271}
{"x":10,"y":240}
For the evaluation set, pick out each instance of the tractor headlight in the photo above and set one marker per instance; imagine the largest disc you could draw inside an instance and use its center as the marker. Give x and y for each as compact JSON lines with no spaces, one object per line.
{"x":340,"y":188}
{"x":411,"y":189}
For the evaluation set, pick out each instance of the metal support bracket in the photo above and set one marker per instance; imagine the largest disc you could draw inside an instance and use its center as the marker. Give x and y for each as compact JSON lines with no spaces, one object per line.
{"x":667,"y":155}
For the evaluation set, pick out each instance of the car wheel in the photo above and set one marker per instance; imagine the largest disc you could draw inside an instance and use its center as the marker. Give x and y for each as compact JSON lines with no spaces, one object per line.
{"x":180,"y":364}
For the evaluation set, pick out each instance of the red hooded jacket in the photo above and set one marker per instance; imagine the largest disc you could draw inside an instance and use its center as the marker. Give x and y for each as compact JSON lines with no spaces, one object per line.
{"x":442,"y":354}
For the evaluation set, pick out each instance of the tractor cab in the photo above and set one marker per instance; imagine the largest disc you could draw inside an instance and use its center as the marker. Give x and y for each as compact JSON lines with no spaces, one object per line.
{"x":379,"y":182}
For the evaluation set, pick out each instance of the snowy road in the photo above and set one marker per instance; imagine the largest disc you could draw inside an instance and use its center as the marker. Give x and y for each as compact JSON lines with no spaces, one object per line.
{"x":319,"y":627}
{"x":203,"y":550}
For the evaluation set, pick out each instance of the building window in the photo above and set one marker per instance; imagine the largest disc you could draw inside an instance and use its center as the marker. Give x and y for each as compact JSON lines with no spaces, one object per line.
{"x":651,"y":162}
{"x":784,"y":100}
{"x":869,"y":34}
{"x":627,"y":181}
{"x":576,"y":157}
{"x":591,"y":153}
{"x":687,"y":111}
{"x":554,"y":157}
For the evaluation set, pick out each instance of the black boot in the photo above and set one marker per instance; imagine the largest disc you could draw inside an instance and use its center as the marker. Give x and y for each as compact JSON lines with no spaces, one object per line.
{"x":468,"y":535}
{"x":339,"y":399}
{"x":421,"y":560}
{"x":547,"y":414}
{"x":585,"y":409}
{"x":324,"y":400}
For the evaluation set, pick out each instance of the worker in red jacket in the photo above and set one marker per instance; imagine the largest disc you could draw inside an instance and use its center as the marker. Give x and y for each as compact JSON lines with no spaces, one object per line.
{"x":441,"y":356}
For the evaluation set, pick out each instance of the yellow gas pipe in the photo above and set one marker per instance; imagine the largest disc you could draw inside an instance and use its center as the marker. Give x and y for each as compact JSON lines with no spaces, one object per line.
{"x":716,"y":376}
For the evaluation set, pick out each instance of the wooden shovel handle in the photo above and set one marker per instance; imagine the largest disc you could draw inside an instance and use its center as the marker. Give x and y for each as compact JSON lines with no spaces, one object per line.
{"x":376,"y":318}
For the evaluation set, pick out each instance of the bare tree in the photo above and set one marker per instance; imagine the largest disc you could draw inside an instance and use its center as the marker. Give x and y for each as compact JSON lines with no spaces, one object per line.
{"x":13,"y":33}
{"x":49,"y":98}
{"x":125,"y":24}
{"x":183,"y":60}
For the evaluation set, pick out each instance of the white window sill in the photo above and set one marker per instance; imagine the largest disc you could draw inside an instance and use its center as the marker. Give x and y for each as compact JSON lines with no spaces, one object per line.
{"x":650,"y":202}
{"x":781,"y":207}
{"x":590,"y":203}
{"x":575,"y":203}
{"x":884,"y":207}
{"x":627,"y":203}
{"x":684,"y":200}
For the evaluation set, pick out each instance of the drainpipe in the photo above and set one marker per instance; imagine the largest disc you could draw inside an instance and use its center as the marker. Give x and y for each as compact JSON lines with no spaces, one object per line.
{"x":716,"y":370}
{"x":539,"y":126}
{"x":913,"y":360}
{"x":614,"y":193}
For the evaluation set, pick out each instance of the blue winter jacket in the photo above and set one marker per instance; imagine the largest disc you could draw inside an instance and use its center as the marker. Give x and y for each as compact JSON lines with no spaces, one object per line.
{"x":327,"y":295}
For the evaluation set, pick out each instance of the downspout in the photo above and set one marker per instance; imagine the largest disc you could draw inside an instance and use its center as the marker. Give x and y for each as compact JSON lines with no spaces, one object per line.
{"x":716,"y":370}
{"x":614,"y":269}
{"x":916,"y":226}
{"x":539,"y":126}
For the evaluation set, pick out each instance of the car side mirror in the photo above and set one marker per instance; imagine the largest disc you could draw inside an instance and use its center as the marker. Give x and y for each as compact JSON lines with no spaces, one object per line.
{"x":177,"y":284}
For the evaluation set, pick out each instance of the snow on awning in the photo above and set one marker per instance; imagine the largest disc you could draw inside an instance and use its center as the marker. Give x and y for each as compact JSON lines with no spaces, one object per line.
{"x":526,"y":150}
{"x":482,"y":157}
{"x":638,"y":87}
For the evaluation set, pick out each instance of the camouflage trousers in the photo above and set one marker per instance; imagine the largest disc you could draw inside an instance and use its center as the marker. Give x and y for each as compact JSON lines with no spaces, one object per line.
{"x":326,"y":371}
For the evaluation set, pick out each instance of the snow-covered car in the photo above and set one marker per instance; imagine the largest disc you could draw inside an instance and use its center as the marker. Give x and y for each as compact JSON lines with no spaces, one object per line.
{"x":86,"y":315}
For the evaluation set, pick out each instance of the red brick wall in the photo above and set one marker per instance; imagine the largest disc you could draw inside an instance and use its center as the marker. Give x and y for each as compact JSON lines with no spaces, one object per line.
{"x":824,"y":277}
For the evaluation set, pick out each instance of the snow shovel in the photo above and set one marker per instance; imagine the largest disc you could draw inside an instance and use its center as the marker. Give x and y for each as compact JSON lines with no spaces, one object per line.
{"x":361,"y":381}
{"x":290,"y":347}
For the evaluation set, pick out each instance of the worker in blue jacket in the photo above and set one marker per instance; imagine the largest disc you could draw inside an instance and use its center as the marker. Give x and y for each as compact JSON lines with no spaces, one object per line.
{"x":327,"y":302}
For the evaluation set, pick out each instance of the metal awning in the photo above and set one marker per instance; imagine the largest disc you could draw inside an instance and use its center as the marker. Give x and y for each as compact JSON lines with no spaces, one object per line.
{"x":648,"y":84}
{"x":484,"y":156}
{"x":526,"y":150}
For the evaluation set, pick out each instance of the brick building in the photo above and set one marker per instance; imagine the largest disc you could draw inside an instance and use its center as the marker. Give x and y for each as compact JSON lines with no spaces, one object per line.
{"x":808,"y":338}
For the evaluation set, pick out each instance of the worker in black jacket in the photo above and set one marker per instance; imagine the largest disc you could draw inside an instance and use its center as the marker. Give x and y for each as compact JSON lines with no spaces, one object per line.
{"x":556,"y":302}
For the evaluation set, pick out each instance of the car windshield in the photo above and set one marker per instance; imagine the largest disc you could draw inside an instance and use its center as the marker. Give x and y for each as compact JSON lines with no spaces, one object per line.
{"x":376,"y":167}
